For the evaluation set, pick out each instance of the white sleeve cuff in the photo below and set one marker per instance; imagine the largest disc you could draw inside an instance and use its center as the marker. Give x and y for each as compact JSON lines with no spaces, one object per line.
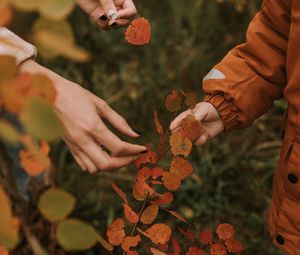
{"x":11,"y":44}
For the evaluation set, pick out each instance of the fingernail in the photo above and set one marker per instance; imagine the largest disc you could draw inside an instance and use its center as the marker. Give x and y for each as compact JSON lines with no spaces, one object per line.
{"x":114,"y":24}
{"x":103,"y":17}
{"x":138,"y":132}
{"x":145,"y":151}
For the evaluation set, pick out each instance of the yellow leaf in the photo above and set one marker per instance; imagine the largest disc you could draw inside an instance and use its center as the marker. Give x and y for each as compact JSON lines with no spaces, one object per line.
{"x":56,"y":9}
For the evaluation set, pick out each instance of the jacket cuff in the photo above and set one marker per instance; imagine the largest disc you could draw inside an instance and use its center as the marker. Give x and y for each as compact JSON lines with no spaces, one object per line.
{"x":227,"y":110}
{"x":13,"y":45}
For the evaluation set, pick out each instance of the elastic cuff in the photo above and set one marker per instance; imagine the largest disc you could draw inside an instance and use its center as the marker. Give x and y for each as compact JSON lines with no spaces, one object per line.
{"x":226,"y":109}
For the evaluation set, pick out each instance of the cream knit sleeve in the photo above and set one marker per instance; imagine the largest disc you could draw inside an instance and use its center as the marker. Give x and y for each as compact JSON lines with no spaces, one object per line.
{"x":11,"y":44}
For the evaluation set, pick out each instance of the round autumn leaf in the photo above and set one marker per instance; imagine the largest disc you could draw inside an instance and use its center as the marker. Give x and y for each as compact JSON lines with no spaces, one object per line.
{"x":191,"y":128}
{"x":181,"y":167}
{"x":180,"y":145}
{"x":195,"y":251}
{"x":159,"y":233}
{"x":149,"y":215}
{"x":75,"y":235}
{"x":138,"y":32}
{"x":130,"y":215}
{"x":171,"y":181}
{"x":130,"y":241}
{"x":225,"y":231}
{"x":56,"y":204}
{"x":115,"y":232}
{"x":206,"y":236}
{"x":173,"y":102}
{"x":218,"y":249}
{"x":234,"y":246}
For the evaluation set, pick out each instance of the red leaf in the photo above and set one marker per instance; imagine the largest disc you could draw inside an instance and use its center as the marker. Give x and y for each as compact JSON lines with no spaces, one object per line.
{"x":181,"y":167}
{"x":120,"y":192}
{"x":178,"y":216}
{"x":115,"y":232}
{"x":149,"y":215}
{"x":195,"y":251}
{"x":130,"y":215}
{"x":225,"y":231}
{"x":130,"y":241}
{"x":180,"y":145}
{"x":190,"y":99}
{"x":234,"y":246}
{"x":206,"y":236}
{"x":171,"y":181}
{"x":150,"y":157}
{"x":138,"y":32}
{"x":162,"y":199}
{"x":159,"y":233}
{"x":173,"y":101}
{"x":218,"y":249}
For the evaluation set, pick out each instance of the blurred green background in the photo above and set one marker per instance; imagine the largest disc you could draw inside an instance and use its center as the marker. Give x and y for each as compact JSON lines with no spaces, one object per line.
{"x":234,"y":172}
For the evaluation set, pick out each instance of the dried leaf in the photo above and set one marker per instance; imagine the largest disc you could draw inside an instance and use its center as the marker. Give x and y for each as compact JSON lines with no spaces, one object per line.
{"x":158,"y":126}
{"x":218,"y":249}
{"x":180,"y":145}
{"x":149,"y":215}
{"x":171,"y":181}
{"x":190,"y":99}
{"x":195,"y":251}
{"x":181,"y":167}
{"x":206,"y":236}
{"x":234,"y":246}
{"x":191,"y":128}
{"x":138,"y":32}
{"x":119,"y":192}
{"x":162,"y":199}
{"x":159,"y":233}
{"x":115,"y":232}
{"x":178,"y":216}
{"x":225,"y":231}
{"x":130,"y":241}
{"x":150,"y":157}
{"x":130,"y":215}
{"x":34,"y":159}
{"x":139,"y":193}
{"x":173,"y":101}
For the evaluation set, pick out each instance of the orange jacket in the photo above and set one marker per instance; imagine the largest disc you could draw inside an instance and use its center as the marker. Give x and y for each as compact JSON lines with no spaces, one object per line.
{"x":244,"y":85}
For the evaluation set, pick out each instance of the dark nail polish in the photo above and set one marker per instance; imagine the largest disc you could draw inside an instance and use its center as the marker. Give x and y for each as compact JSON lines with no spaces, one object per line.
{"x":103,"y":17}
{"x":145,"y":151}
{"x":114,"y":24}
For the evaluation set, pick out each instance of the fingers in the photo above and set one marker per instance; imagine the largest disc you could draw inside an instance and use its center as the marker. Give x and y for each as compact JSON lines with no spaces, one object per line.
{"x":113,"y":117}
{"x":109,"y":8}
{"x":203,"y":139}
{"x":128,"y":11}
{"x":113,"y":143}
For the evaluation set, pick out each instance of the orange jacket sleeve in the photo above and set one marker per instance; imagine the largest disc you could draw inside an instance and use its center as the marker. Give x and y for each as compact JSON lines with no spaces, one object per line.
{"x":246,"y":82}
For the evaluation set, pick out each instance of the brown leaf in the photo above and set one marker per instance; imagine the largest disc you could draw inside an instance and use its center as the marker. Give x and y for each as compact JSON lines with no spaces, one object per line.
{"x":150,"y":157}
{"x":180,"y":145}
{"x":159,"y":128}
{"x":191,"y":128}
{"x":190,"y":99}
{"x":149,"y":215}
{"x":171,"y":181}
{"x":178,"y":216}
{"x":181,"y":167}
{"x":173,"y":102}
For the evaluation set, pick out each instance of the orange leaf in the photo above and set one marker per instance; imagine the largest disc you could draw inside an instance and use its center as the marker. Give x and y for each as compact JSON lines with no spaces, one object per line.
{"x":191,"y":128}
{"x":150,"y":157}
{"x":162,"y":199}
{"x":181,"y":167}
{"x":218,"y":249}
{"x":115,"y":232}
{"x":195,"y":251}
{"x":159,"y":128}
{"x":173,"y":101}
{"x":120,"y":192}
{"x":149,"y":215}
{"x":206,"y":236}
{"x":156,"y":172}
{"x":130,"y":241}
{"x":180,"y":145}
{"x":178,"y":216}
{"x":225,"y":231}
{"x":190,"y":99}
{"x":157,"y":252}
{"x":130,"y":215}
{"x":34,"y":159}
{"x":171,"y":181}
{"x":139,"y":193}
{"x":138,"y":32}
{"x":234,"y":246}
{"x":3,"y":250}
{"x":159,"y":233}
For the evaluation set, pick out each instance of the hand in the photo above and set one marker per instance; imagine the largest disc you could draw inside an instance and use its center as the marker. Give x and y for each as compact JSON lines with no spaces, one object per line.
{"x":209,"y":117}
{"x":82,"y":115}
{"x":109,"y":13}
